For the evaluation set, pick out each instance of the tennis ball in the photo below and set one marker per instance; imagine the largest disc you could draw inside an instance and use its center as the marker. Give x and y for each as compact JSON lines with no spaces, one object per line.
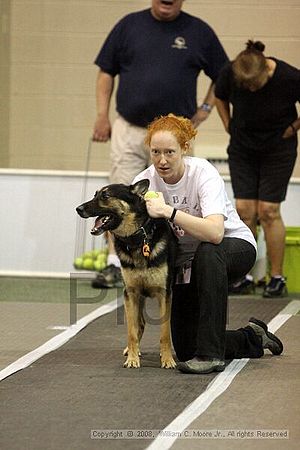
{"x":88,"y":264}
{"x":88,"y":255}
{"x":101,"y":258}
{"x":78,"y":263}
{"x":151,"y":194}
{"x":95,"y":253}
{"x":99,"y":265}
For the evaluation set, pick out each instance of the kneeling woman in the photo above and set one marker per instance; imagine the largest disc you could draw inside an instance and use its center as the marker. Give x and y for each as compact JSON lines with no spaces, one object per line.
{"x":215,"y":249}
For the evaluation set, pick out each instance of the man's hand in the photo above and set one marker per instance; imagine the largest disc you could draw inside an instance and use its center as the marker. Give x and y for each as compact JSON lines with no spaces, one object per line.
{"x":199,"y":117}
{"x":102,"y":129}
{"x":104,"y":89}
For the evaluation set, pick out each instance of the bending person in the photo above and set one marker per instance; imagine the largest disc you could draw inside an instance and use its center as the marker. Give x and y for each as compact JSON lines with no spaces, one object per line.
{"x":256,"y":100}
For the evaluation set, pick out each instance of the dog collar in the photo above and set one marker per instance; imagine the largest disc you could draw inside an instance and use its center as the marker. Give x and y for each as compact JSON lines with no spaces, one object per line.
{"x":141,"y":237}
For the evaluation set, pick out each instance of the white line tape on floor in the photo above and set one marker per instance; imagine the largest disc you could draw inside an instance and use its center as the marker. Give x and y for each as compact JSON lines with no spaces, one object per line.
{"x":59,"y":340}
{"x":219,"y":384}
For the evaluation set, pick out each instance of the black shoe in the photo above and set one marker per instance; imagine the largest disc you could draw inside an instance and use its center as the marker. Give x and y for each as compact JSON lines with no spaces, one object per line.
{"x":199,"y":366}
{"x":269,"y":340}
{"x":275,"y":288}
{"x":110,"y":277}
{"x":261,"y":283}
{"x":242,"y":287}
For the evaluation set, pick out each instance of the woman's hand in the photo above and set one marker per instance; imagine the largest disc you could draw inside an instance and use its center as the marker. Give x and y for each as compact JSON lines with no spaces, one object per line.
{"x":157,"y":208}
{"x":289,"y":132}
{"x":209,"y":229}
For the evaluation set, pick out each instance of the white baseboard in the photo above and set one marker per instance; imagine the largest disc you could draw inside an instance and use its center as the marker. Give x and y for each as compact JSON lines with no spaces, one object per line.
{"x":24,"y":273}
{"x":89,"y":275}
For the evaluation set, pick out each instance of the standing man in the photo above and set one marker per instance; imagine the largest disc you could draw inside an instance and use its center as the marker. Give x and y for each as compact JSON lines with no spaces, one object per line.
{"x":158,"y":54}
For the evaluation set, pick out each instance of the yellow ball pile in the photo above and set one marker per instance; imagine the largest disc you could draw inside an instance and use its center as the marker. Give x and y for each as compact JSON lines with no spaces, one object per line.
{"x":94,"y":260}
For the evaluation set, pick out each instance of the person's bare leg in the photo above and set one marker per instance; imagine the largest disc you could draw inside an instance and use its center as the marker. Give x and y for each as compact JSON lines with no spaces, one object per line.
{"x":248,"y":212}
{"x":110,"y":244}
{"x":112,"y":257}
{"x":274,"y":231}
{"x":110,"y":276}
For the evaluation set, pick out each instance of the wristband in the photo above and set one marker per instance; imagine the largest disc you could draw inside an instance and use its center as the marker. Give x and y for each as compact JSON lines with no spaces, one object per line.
{"x":293,"y":128}
{"x":206,"y":107}
{"x":173,"y":215}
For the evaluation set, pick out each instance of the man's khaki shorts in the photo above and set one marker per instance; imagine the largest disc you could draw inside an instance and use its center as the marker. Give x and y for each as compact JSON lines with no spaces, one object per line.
{"x":129,"y":155}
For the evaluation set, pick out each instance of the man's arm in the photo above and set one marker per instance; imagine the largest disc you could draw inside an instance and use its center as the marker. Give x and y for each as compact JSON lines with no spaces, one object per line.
{"x":205,"y":109}
{"x":104,"y":89}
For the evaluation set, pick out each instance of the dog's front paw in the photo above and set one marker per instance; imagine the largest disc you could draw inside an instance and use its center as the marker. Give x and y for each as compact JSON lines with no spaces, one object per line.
{"x":125,"y":352}
{"x":132,"y":362}
{"x":168,"y":362}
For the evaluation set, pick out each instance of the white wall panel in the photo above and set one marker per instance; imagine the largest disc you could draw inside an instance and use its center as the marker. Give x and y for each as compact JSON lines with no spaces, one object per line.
{"x":38,"y":219}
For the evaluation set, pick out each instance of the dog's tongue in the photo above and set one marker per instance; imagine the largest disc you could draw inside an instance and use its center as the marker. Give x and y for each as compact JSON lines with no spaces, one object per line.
{"x":97,"y":225}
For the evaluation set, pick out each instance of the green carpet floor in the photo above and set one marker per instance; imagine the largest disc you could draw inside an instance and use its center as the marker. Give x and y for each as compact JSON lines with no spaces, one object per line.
{"x":51,"y":290}
{"x":54,"y":290}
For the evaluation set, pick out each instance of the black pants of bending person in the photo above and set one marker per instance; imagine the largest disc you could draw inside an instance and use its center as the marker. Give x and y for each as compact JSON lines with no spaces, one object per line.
{"x":199,"y":309}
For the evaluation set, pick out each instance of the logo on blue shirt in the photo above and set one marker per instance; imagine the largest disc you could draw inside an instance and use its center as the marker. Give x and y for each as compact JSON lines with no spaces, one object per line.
{"x":179,"y":43}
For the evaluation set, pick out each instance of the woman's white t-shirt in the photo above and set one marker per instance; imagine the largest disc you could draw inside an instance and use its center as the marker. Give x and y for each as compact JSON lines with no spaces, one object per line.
{"x":200,"y":192}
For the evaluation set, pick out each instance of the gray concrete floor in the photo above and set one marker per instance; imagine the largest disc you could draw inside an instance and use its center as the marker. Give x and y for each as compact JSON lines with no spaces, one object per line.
{"x":264,"y":396}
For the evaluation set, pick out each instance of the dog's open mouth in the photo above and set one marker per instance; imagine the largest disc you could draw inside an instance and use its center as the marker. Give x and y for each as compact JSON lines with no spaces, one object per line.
{"x":101,"y":224}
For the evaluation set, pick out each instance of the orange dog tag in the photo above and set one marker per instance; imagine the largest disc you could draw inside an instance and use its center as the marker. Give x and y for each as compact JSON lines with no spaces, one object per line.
{"x":146,"y":250}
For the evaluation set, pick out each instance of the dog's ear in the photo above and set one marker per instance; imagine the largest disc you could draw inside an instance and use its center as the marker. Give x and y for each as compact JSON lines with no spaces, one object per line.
{"x":140,"y":188}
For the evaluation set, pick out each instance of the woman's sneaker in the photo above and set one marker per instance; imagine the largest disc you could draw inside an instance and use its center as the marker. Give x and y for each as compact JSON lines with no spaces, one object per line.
{"x":242,"y":287}
{"x":268,"y":339}
{"x":201,"y":365}
{"x":110,"y":277}
{"x":276,"y":287}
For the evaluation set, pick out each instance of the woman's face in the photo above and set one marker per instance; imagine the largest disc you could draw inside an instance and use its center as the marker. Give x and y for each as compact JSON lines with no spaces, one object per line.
{"x":167,"y":156}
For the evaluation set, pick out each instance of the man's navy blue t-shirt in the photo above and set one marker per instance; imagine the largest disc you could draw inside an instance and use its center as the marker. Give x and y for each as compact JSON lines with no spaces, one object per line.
{"x":158,"y":64}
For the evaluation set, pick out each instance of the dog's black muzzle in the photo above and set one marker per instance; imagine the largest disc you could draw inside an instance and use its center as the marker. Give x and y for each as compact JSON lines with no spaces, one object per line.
{"x":106,"y":218}
{"x":81,"y":211}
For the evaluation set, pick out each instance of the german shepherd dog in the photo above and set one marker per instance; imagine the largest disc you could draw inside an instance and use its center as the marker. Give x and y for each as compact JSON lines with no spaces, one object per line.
{"x":146,"y":248}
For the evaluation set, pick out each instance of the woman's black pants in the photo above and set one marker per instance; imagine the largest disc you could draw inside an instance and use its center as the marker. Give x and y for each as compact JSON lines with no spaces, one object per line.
{"x":199,"y":309}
